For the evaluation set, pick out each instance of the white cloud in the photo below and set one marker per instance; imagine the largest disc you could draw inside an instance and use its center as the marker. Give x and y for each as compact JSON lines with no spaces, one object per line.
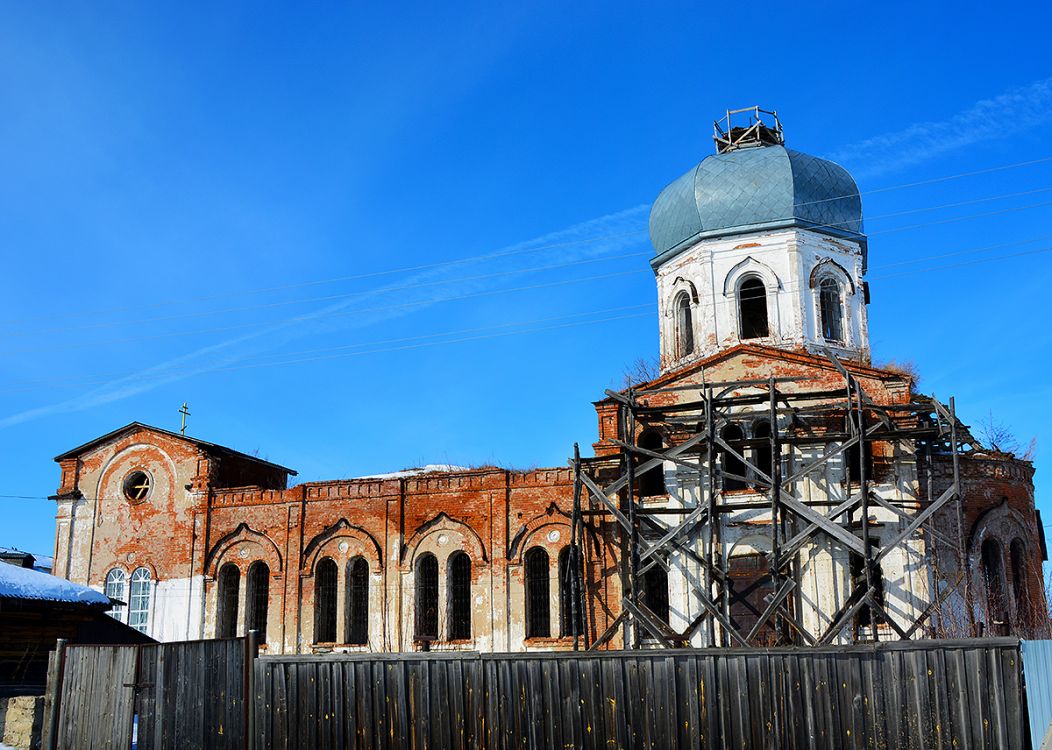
{"x":1009,"y":113}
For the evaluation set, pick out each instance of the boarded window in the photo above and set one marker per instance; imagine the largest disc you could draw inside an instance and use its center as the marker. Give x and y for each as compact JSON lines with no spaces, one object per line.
{"x":684,"y":326}
{"x":326,"y":577}
{"x":358,"y":602}
{"x":651,"y":482}
{"x":655,"y":592}
{"x":117,"y":588}
{"x":761,"y":454}
{"x":730,"y":464}
{"x":257,"y":600}
{"x":459,"y":596}
{"x":750,"y":592}
{"x":538,"y":589}
{"x":571,"y":608}
{"x":139,"y":601}
{"x":752,"y":309}
{"x":427,"y":597}
{"x":832,"y":310}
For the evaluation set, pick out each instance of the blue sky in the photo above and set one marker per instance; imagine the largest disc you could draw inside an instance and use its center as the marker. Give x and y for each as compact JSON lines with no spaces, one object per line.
{"x":253,"y":208}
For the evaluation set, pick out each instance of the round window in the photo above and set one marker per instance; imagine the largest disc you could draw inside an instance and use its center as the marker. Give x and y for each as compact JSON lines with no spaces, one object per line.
{"x":137,"y":486}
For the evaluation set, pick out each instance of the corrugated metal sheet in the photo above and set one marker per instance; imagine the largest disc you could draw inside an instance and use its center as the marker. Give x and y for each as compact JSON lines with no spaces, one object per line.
{"x":1037,"y":672}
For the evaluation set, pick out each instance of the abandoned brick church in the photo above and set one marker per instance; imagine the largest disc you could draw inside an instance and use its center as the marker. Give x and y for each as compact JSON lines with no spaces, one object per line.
{"x":738,"y":498}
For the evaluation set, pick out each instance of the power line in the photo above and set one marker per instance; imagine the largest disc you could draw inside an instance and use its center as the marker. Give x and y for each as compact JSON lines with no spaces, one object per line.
{"x":388,"y":290}
{"x":789,"y":288}
{"x":566,"y":243}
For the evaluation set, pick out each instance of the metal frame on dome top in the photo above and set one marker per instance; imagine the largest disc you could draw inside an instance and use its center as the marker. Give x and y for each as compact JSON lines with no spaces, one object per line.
{"x":645,"y":534}
{"x":729,"y":137}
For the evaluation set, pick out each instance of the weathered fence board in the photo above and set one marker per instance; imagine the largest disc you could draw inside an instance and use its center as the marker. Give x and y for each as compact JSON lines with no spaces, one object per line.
{"x":94,"y":718}
{"x":183,"y":695}
{"x":921,"y":694}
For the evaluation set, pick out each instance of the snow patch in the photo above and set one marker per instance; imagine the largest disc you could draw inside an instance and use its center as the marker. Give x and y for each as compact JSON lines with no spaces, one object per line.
{"x":26,"y":583}
{"x":428,"y":469}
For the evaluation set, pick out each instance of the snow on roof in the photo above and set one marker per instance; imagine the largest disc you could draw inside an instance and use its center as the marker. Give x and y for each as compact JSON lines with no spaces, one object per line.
{"x":26,"y":583}
{"x":428,"y":469}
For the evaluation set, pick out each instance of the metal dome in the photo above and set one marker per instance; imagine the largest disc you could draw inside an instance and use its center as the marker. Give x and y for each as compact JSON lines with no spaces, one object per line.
{"x":751,"y":189}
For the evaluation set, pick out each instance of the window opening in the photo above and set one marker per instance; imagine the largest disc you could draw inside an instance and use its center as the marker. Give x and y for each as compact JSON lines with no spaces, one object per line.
{"x":569,"y":625}
{"x":427,"y":597}
{"x":655,"y":592}
{"x":116,"y":588}
{"x":139,"y":601}
{"x":459,"y":596}
{"x":325,"y":582}
{"x":732,"y":435}
{"x":652,"y":481}
{"x":684,"y":326}
{"x":358,"y":602}
{"x":538,"y":615}
{"x":831,"y":310}
{"x":258,"y":599}
{"x":761,"y":453}
{"x":752,"y":309}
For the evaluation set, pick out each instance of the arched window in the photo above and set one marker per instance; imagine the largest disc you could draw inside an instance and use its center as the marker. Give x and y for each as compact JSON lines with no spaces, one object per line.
{"x":258,"y":598}
{"x":732,"y":435}
{"x":117,"y":588}
{"x":358,"y":602}
{"x":994,"y":578}
{"x":538,"y":589}
{"x":139,"y":601}
{"x":655,"y":591}
{"x":427,"y":597}
{"x":832,"y":311}
{"x":571,"y":618}
{"x":684,"y":326}
{"x":229,"y":591}
{"x":752,"y":309}
{"x":459,"y":566}
{"x":761,"y":454}
{"x":326,"y":576}
{"x":651,"y":482}
{"x":1017,"y":554}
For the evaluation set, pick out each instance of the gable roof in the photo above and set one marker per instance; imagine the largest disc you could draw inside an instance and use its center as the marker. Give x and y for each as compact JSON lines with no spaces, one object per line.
{"x":796,"y":356}
{"x":213,"y":448}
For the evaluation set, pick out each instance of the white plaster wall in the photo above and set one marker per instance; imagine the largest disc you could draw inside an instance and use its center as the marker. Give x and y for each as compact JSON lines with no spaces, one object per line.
{"x":711,"y":270}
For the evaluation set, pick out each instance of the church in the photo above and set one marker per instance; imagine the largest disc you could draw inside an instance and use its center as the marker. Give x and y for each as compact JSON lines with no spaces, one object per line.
{"x":771,"y":486}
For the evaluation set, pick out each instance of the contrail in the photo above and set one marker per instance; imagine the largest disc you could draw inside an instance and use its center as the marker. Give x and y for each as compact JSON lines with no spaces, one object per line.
{"x":1009,"y":113}
{"x":596,"y":237}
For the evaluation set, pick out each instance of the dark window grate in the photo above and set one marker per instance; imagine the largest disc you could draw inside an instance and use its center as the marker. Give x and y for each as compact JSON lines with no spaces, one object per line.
{"x":358,"y":602}
{"x":427,"y":597}
{"x":538,"y":589}
{"x":229,"y":589}
{"x":571,"y":622}
{"x":258,"y":598}
{"x":325,"y":582}
{"x":459,"y":596}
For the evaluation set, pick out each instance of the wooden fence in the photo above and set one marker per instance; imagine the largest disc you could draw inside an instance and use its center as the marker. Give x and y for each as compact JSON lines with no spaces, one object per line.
{"x":934,"y":694}
{"x":166,"y":695}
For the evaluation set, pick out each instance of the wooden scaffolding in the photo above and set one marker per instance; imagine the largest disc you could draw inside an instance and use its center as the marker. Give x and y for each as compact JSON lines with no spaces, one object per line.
{"x":835,"y":422}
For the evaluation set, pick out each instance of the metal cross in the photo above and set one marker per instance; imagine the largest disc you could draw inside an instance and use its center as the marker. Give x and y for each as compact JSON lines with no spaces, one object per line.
{"x":186,"y":413}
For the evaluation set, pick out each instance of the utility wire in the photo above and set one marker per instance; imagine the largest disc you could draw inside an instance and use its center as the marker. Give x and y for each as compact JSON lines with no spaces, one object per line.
{"x":789,"y":288}
{"x":538,"y":248}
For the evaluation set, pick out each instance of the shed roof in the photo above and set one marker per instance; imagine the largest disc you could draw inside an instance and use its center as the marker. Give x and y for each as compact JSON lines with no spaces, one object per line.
{"x":18,"y":583}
